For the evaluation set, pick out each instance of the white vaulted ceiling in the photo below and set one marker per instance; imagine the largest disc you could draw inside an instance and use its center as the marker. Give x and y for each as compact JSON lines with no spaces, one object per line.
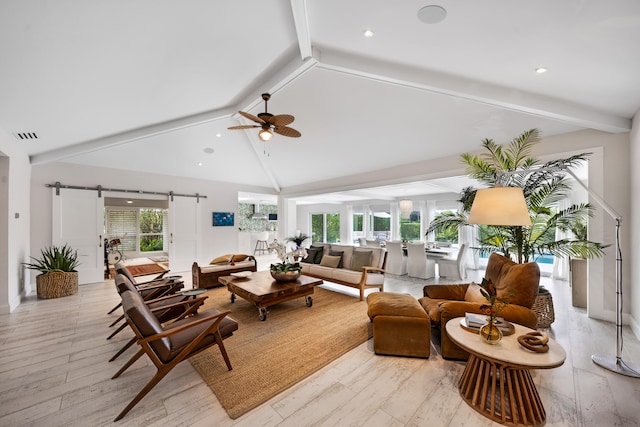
{"x":149,"y":85}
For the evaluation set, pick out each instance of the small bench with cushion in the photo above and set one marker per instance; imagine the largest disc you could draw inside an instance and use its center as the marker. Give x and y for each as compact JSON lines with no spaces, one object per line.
{"x":401,"y":327}
{"x":207,"y":276}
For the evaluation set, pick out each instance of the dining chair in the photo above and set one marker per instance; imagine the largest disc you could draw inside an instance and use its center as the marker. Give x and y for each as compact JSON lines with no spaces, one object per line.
{"x":418,"y":265}
{"x":454,"y":268}
{"x":396,"y":259}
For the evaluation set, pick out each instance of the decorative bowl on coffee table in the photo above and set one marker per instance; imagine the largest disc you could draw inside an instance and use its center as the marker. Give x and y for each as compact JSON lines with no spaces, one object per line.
{"x":285,"y":276}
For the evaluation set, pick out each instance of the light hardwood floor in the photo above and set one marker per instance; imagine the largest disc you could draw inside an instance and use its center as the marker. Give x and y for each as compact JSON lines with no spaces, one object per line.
{"x":54,"y":372}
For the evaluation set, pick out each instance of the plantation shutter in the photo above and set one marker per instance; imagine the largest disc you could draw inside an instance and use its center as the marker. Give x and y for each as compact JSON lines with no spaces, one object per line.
{"x":123,"y":225}
{"x":165,"y":230}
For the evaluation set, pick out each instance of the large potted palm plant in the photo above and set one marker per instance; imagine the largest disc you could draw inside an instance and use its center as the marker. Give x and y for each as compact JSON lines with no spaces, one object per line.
{"x":58,"y":276}
{"x":543,"y":187}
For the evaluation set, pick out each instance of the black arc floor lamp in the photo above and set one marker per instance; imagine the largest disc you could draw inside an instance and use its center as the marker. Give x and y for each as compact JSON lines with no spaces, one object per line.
{"x":513,"y":211}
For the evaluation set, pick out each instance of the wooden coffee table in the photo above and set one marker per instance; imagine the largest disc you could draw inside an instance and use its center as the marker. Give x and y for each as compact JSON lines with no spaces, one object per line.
{"x":263,"y":291}
{"x":496,"y":381}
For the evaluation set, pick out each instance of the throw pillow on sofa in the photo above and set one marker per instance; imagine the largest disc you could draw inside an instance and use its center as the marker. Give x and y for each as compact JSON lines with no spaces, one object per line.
{"x":320,"y":249}
{"x":224,"y":259}
{"x":238,"y":258}
{"x":360,"y":259}
{"x":314,"y":256}
{"x":337,"y":253}
{"x":330,"y":261}
{"x":474,"y":294}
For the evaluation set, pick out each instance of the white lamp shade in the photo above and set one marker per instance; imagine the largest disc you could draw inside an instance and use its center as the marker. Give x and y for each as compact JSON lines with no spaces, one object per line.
{"x":500,"y":206}
{"x":406,"y":206}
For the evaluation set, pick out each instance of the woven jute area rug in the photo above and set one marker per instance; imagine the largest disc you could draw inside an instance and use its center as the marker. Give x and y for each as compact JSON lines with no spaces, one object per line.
{"x":272,"y":355}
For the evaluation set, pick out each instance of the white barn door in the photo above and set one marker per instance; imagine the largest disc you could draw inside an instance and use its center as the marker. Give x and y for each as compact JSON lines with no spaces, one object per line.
{"x":78,"y":220}
{"x":184,"y":229}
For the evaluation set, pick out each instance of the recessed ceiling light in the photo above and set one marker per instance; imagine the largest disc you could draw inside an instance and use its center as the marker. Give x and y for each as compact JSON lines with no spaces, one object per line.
{"x":199,"y":163}
{"x":368,"y":33}
{"x":219,"y":135}
{"x":432,"y":14}
{"x":541,"y":70}
{"x":129,"y":201}
{"x":208,"y":150}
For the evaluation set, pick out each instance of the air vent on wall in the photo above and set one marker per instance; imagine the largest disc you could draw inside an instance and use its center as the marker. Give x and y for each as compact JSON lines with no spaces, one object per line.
{"x":25,"y":135}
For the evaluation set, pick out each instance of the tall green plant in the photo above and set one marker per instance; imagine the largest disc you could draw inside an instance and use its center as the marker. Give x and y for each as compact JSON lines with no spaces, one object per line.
{"x":55,"y":258}
{"x":543,"y":186}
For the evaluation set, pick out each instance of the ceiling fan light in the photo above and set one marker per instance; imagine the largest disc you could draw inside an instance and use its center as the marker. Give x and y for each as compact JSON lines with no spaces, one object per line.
{"x":265,"y":134}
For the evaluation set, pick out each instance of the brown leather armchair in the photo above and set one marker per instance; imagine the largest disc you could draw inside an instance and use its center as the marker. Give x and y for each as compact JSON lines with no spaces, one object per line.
{"x":516,"y":282}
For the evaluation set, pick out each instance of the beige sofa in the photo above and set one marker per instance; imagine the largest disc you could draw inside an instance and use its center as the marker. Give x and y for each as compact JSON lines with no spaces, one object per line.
{"x":207,"y":275}
{"x":353,"y":271}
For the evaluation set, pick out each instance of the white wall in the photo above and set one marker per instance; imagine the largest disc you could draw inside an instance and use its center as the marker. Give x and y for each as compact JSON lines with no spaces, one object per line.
{"x":221,"y":197}
{"x":634,"y":221}
{"x":609,"y":172}
{"x":14,"y":221}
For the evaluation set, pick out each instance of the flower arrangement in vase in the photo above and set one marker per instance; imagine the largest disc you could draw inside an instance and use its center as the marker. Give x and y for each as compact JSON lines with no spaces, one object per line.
{"x":490,"y":332}
{"x":288,"y":269}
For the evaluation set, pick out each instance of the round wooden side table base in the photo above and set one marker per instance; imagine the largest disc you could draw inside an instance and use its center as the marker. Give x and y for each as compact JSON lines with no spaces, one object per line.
{"x":503,"y":393}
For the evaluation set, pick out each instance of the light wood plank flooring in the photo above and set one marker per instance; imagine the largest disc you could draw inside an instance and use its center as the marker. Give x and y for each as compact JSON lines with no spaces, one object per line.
{"x":54,"y":372}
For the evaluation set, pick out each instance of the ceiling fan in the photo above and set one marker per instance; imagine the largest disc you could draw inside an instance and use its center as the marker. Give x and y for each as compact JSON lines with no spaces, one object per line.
{"x":268,"y":122}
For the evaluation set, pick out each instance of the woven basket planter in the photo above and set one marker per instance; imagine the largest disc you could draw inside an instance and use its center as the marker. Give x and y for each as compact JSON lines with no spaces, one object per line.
{"x":56,"y":284}
{"x":543,"y":307}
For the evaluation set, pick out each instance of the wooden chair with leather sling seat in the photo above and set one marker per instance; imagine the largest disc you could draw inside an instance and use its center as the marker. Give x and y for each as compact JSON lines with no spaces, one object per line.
{"x":169,"y":345}
{"x":147,"y":292}
{"x":120,"y":268}
{"x":168,"y":308}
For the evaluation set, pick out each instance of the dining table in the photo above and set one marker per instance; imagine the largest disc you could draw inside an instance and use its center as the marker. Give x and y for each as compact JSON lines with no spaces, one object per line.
{"x":435,"y":253}
{"x":440,"y":252}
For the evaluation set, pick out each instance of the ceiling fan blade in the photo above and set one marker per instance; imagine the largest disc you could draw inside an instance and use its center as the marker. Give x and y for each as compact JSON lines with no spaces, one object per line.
{"x":282,"y":119}
{"x":243,"y":127}
{"x":286,"y":131}
{"x":251,"y":117}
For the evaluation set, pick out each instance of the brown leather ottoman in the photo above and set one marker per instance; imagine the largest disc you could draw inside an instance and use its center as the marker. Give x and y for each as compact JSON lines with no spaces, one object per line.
{"x":401,"y":327}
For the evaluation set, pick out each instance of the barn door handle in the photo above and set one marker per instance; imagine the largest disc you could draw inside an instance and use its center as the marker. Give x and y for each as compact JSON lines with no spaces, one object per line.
{"x":100,"y":241}
{"x":171,"y":239}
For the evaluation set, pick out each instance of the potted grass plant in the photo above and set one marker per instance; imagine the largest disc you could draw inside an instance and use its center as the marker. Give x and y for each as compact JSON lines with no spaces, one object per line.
{"x":58,"y":276}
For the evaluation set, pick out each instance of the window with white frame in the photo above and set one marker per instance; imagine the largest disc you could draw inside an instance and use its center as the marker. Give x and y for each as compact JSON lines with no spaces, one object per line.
{"x":381,"y":225}
{"x":139,"y":230}
{"x":325,"y":227}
